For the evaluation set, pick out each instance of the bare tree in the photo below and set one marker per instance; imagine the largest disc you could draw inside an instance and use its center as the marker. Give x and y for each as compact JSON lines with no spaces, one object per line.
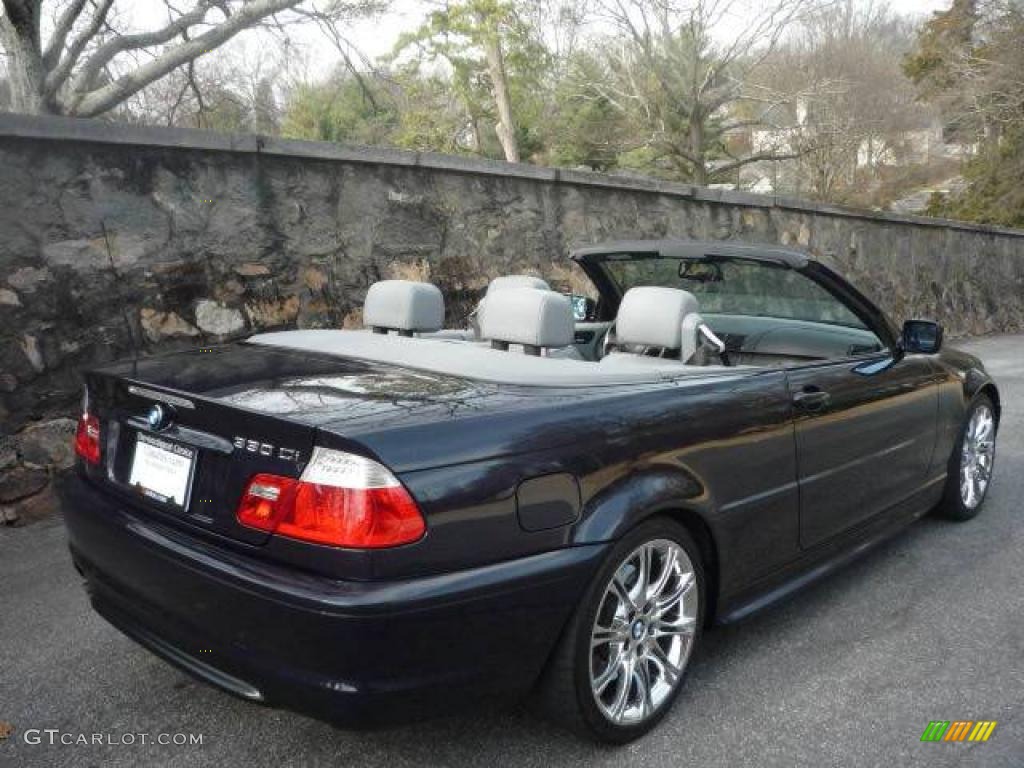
{"x":91,"y":62}
{"x":840,"y":70}
{"x":681,"y":86}
{"x":237,"y":88}
{"x":559,"y":25}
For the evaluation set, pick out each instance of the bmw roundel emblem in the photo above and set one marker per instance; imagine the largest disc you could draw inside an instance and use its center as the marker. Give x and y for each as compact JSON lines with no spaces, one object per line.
{"x":159,"y":416}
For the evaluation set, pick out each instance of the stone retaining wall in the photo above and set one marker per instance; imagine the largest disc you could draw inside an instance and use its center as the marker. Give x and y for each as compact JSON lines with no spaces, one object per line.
{"x":118,"y":240}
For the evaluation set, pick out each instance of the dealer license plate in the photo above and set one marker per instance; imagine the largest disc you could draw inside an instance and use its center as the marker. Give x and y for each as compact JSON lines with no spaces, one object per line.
{"x":162,"y":470}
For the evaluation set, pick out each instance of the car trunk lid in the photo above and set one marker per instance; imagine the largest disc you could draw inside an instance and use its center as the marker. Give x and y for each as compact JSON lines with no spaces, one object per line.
{"x":184,"y":433}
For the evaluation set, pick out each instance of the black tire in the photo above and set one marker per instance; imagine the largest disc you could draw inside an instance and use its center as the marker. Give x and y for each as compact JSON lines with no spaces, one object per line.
{"x":952,"y":506}
{"x":565,"y":689}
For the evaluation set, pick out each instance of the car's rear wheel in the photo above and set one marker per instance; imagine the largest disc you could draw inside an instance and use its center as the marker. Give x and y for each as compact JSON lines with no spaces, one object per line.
{"x":970,"y":467}
{"x":621,"y":660}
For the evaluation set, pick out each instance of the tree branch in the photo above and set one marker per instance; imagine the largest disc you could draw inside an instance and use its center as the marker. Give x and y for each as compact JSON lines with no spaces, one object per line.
{"x":190,"y":78}
{"x":341,"y":45}
{"x":86,"y":103}
{"x":60,"y":33}
{"x":721,"y":170}
{"x":121,"y":43}
{"x":56,"y":76}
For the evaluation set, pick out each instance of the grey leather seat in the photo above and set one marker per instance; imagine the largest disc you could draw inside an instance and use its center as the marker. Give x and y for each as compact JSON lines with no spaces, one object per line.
{"x":503,"y":283}
{"x":666,"y":319}
{"x":517,"y":281}
{"x":404,"y":306}
{"x":537,"y":319}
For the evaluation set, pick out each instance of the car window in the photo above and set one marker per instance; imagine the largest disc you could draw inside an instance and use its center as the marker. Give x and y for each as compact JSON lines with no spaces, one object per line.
{"x":737,"y":287}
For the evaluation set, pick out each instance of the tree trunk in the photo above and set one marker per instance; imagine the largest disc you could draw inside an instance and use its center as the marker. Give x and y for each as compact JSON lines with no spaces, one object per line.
{"x":700,"y":166}
{"x":19,"y":33}
{"x":474,"y":132}
{"x":506,"y":128}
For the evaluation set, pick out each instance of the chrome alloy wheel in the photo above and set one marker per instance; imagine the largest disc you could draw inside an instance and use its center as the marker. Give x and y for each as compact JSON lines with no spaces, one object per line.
{"x":977,"y":456}
{"x":643,"y":632}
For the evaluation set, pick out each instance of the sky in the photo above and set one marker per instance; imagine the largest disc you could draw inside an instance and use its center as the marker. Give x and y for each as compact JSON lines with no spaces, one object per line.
{"x":375,"y":37}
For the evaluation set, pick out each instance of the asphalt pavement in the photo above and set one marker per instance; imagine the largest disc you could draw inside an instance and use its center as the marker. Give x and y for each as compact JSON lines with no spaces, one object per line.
{"x":928,"y":626}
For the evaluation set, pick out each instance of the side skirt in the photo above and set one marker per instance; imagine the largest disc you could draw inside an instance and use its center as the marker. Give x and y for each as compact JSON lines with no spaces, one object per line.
{"x":829,"y":556}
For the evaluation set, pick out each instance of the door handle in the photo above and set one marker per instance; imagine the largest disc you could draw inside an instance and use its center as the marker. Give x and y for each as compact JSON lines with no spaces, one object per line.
{"x":811,"y":399}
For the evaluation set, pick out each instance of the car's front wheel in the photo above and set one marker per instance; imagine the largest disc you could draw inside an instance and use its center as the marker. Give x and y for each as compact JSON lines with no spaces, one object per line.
{"x":970,"y":467}
{"x":622,"y":658}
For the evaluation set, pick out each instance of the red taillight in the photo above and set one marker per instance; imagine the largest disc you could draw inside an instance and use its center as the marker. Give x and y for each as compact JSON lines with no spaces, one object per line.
{"x":341,"y":500}
{"x":87,"y":438}
{"x":265,"y":500}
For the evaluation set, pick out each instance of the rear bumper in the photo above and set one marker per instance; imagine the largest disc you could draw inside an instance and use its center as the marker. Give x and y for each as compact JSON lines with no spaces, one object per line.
{"x":354,"y":653}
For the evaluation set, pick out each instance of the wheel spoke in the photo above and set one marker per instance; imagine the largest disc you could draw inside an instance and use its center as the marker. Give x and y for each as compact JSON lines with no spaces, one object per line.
{"x":616,"y":633}
{"x":684,"y":626}
{"x":967,"y":488}
{"x":984,"y":430}
{"x":665,"y":604}
{"x":642,"y":674}
{"x":669,"y":671}
{"x":622,"y":593}
{"x":668,"y":568}
{"x":985,"y":467}
{"x":618,"y":707}
{"x":613,"y":670}
{"x":643,"y":576}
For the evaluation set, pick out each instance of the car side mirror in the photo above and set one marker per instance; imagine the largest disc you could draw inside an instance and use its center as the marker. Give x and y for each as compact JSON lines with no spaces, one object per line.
{"x":584,"y":308}
{"x":921,"y":337}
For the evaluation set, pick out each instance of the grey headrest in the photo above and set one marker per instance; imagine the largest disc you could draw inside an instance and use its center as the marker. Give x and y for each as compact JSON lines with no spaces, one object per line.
{"x":516,"y":281}
{"x":403,"y":305}
{"x":653,"y":316}
{"x":528,"y":316}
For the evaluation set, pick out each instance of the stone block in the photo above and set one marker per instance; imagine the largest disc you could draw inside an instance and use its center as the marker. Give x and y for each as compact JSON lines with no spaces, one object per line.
{"x":218,"y":320}
{"x":159,"y":325}
{"x":21,"y":482}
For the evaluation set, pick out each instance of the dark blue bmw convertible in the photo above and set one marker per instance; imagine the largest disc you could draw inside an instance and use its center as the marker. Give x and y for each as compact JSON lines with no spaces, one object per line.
{"x":553,"y":500}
